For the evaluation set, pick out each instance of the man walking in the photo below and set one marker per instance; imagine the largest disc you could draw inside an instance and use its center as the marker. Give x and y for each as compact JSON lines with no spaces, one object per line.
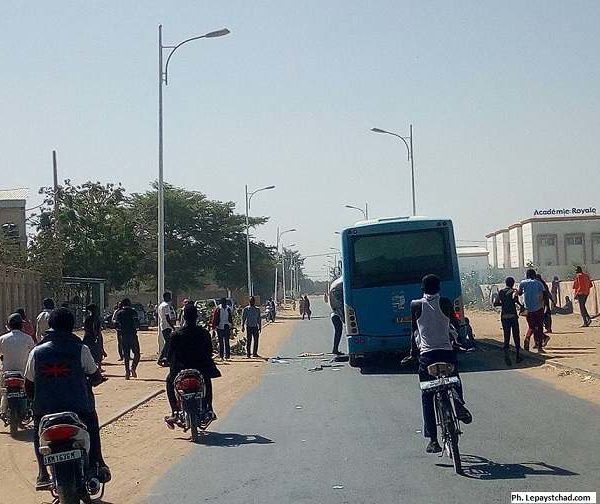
{"x":128,"y":323}
{"x":222,"y":322}
{"x":166,"y":326}
{"x":251,"y":321}
{"x":532,"y":291}
{"x":581,"y":291}
{"x":41,"y":323}
{"x":336,"y":302}
{"x":307,"y":311}
{"x":508,"y":299}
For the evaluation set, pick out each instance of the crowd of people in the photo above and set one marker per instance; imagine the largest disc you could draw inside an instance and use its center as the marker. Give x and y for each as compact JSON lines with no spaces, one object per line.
{"x":537,"y":302}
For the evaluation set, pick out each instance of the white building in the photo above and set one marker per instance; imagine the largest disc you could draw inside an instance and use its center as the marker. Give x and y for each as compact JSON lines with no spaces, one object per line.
{"x":473,"y":259}
{"x":554,"y":245}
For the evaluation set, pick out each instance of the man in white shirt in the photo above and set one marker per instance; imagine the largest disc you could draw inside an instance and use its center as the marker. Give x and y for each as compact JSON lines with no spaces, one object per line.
{"x":222,"y":323}
{"x":41,"y":325}
{"x":14,"y":350}
{"x":166,"y":326}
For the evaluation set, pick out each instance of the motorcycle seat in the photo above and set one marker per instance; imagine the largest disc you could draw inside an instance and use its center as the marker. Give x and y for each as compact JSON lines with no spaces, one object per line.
{"x":65,"y":417}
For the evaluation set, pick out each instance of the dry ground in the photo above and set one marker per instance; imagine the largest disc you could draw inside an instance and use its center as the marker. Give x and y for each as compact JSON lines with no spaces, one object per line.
{"x":138,"y":447}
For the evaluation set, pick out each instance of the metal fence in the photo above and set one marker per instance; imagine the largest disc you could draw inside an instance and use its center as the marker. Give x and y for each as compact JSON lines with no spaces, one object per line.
{"x":19,"y":288}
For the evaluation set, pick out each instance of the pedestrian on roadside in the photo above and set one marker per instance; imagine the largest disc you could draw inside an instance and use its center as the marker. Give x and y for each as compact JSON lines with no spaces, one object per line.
{"x":41,"y":323}
{"x":301,"y":306}
{"x":222,"y":323}
{"x":27,"y":325}
{"x":532,"y":291}
{"x":128,"y":322}
{"x":251,"y":320}
{"x":555,"y":291}
{"x":166,"y":326}
{"x":336,"y":303}
{"x":307,"y":311}
{"x":508,"y":300}
{"x":547,"y":309}
{"x":567,"y":309}
{"x":581,"y":291}
{"x":92,"y":334}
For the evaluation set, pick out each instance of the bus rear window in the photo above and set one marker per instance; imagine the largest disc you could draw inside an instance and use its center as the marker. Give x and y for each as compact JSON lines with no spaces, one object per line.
{"x":400,"y":258}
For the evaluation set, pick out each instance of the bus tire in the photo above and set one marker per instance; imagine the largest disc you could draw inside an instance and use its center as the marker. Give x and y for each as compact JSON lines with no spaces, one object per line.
{"x":356,"y":361}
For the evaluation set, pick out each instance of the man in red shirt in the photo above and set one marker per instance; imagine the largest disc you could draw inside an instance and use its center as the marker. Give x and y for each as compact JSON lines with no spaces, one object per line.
{"x":581,"y":291}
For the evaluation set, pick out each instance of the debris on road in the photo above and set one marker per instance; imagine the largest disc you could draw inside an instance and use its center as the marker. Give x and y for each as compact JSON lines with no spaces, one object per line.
{"x":337,"y":487}
{"x":298,"y":406}
{"x":311,"y":354}
{"x":279,"y":360}
{"x":316,"y":368}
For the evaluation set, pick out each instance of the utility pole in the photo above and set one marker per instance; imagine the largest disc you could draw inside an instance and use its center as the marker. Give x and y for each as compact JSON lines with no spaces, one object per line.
{"x":57,"y":241}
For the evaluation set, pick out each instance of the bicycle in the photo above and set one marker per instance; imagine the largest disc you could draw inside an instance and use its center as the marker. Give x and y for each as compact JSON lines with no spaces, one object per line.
{"x":445,"y":389}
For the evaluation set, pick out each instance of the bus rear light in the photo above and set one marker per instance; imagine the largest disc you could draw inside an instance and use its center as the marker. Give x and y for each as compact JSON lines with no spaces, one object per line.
{"x":459,"y":310}
{"x":351,"y":322}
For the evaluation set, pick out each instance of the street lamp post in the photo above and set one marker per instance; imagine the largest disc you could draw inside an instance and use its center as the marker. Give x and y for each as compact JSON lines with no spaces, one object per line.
{"x":365,"y":212}
{"x":408,"y":141}
{"x":279,"y":235}
{"x":248,"y":199}
{"x":163,"y":80}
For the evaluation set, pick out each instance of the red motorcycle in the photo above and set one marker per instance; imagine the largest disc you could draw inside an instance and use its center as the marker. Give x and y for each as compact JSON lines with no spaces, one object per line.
{"x":193,"y":414}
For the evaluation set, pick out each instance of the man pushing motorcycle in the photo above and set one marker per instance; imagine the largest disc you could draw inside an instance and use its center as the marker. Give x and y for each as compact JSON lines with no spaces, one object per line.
{"x":59,"y":375}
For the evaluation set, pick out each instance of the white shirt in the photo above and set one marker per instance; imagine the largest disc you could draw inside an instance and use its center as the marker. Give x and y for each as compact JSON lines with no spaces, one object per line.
{"x":165,"y":310}
{"x":87,"y":363}
{"x":15,"y":347}
{"x":434,"y":326}
{"x":41,"y":325}
{"x":224,"y":318}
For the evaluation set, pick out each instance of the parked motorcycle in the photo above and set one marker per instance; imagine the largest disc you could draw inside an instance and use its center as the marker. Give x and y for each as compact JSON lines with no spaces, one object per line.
{"x":65,"y":445}
{"x":193,"y":413}
{"x":19,"y":412}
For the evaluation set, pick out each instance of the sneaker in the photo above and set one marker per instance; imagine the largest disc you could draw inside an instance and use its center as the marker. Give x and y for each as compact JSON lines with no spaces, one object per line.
{"x":104,"y":475}
{"x":248,"y":356}
{"x":254,"y":355}
{"x":43,"y":482}
{"x":433,"y":447}
{"x":526,"y":343}
{"x":541,"y":350}
{"x":171,"y":422}
{"x":463,"y":414}
{"x":133,"y":373}
{"x":546,"y":339}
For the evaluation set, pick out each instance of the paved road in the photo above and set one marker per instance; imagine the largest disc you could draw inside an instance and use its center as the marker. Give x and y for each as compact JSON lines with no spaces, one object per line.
{"x":301,"y":434}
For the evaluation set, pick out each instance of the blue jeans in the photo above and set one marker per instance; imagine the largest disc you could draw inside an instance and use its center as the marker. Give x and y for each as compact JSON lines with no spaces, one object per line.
{"x":224,"y":349}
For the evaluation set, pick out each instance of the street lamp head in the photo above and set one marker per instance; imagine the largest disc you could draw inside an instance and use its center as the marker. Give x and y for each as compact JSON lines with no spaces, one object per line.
{"x":269,"y":187}
{"x":218,"y":33}
{"x":378,"y":130}
{"x":350,"y":206}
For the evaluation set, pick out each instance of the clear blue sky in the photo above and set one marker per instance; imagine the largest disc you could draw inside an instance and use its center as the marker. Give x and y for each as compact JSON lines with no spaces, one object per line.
{"x":504,"y":98}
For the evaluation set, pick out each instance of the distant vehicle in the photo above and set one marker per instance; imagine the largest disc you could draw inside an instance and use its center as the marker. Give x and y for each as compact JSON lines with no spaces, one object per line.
{"x":142,"y":316}
{"x":384,"y":261}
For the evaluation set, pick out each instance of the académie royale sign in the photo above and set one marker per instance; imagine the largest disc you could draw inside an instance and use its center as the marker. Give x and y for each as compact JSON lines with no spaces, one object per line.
{"x":564,"y":212}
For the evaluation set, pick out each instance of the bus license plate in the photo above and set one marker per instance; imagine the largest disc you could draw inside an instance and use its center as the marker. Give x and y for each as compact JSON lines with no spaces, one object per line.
{"x":57,"y":458}
{"x":19,"y":395}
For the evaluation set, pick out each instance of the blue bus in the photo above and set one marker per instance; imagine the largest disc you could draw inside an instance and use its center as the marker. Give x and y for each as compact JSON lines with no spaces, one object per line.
{"x":383,"y":262}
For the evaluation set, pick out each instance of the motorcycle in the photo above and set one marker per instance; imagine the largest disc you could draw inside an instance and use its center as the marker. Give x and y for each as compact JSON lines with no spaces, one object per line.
{"x":193,"y":414}
{"x":270,"y":313}
{"x":19,"y":412}
{"x":445,"y":395}
{"x":64,"y":446}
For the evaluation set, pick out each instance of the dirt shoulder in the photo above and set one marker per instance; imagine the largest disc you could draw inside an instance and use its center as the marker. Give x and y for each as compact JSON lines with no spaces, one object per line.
{"x":570,"y":345}
{"x":138,"y":447}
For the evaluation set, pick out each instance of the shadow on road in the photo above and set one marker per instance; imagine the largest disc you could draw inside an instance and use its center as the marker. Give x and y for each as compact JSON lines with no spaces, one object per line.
{"x":231,"y":440}
{"x":480,"y":468}
{"x":22,"y":435}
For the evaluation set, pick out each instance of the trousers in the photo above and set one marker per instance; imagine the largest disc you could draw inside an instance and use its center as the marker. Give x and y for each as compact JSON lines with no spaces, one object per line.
{"x":252,"y":334}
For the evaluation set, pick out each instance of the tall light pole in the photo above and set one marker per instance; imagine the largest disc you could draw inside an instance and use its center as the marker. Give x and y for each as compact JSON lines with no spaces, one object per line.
{"x":283,"y":270}
{"x":365,"y":212}
{"x":408,"y":141}
{"x":279,"y":235}
{"x":163,"y":77}
{"x":248,"y":199}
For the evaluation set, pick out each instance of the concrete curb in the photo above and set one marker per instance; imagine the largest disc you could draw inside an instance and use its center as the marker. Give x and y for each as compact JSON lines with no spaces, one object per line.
{"x":134,"y":406}
{"x":534,"y":357}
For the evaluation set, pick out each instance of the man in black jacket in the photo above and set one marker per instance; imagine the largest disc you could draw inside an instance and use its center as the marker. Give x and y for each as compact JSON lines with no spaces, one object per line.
{"x":128,"y":323}
{"x":191,"y":348}
{"x":58,"y":376}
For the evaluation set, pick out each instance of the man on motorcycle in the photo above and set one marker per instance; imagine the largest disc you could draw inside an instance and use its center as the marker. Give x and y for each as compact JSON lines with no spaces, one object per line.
{"x":59,"y":375}
{"x":191,"y":348}
{"x":14,"y":350}
{"x":431,"y":343}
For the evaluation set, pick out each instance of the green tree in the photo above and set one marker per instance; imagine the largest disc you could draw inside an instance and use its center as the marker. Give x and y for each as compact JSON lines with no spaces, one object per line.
{"x":94,"y":237}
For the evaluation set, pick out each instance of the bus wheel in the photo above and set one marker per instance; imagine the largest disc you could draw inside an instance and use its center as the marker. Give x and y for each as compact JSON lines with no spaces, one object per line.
{"x":356,"y":361}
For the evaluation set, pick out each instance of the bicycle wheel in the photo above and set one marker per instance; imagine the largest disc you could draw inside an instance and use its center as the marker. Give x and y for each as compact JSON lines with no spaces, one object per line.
{"x":452,"y":434}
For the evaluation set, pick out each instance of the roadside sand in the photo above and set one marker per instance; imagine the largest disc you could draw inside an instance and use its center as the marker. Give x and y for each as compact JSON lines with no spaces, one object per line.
{"x":570,"y":345}
{"x":138,"y":447}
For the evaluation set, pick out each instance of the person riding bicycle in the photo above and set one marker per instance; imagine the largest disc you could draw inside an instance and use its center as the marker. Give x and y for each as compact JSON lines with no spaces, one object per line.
{"x":432,"y":343}
{"x":191,"y":348}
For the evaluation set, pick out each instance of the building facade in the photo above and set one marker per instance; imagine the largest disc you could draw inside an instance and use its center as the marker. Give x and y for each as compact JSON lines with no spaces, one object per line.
{"x":12,"y":215}
{"x":554,"y":245}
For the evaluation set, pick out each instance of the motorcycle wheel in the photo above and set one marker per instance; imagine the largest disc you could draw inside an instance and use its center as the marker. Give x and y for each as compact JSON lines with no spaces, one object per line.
{"x":68,"y":494}
{"x":194,"y":427}
{"x":14,"y":422}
